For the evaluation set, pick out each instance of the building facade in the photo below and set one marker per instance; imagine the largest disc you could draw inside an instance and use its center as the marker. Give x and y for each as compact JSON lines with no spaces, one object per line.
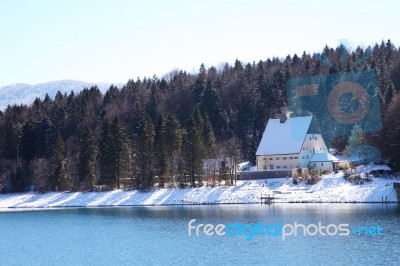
{"x":288,"y":143}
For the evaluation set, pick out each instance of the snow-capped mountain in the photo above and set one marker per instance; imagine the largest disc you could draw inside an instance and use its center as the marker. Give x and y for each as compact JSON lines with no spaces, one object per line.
{"x":26,"y":94}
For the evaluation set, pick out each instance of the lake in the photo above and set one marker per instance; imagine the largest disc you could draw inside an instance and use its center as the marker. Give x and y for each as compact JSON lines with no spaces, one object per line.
{"x":158,"y":235}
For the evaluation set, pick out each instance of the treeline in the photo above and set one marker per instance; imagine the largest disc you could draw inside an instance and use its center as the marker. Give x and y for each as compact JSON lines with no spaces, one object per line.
{"x":179,"y":130}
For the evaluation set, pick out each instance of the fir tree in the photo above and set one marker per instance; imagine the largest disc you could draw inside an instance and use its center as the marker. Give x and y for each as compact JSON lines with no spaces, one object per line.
{"x":252,"y":151}
{"x":209,"y":142}
{"x":146,"y":152}
{"x":354,"y":144}
{"x":211,"y":105}
{"x":120,"y":153}
{"x":152,"y":108}
{"x":193,"y":151}
{"x":200,"y":85}
{"x":87,"y":160}
{"x":59,"y":180}
{"x":19,"y":180}
{"x":12,"y":139}
{"x":173,"y":141}
{"x":29,"y":141}
{"x":105,"y":156}
{"x":161,"y":150}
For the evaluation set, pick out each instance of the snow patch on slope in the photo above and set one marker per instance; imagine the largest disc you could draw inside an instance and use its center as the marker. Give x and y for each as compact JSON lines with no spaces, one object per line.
{"x":332,"y":188}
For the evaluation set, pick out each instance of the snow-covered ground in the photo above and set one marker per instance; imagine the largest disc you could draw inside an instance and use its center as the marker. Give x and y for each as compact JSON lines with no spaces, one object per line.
{"x":332,"y":188}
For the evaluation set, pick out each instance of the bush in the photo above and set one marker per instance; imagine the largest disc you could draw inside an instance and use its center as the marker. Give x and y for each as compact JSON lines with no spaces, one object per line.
{"x":314,"y":177}
{"x":182,"y":185}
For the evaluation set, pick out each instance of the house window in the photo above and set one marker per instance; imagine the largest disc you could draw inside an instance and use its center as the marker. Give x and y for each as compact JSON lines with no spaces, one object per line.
{"x":271,"y":167}
{"x":271,"y":159}
{"x":278,"y":167}
{"x":303,"y":157}
{"x":284,"y":158}
{"x":310,"y":137}
{"x":307,"y":156}
{"x":322,"y":164}
{"x":304,"y":148}
{"x":265,"y":159}
{"x":291,"y":157}
{"x":296,"y":157}
{"x":277,"y":158}
{"x":285,"y":166}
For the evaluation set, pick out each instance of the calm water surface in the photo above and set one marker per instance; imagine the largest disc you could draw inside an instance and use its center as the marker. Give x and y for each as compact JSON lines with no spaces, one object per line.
{"x":158,"y":236}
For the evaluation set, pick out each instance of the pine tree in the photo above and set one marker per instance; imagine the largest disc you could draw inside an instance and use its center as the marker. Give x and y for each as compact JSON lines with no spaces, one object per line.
{"x":173,"y":141}
{"x":87,"y":160}
{"x":208,"y":137}
{"x":59,"y":119}
{"x":244,"y":121}
{"x":120,"y":153}
{"x":278,"y":84}
{"x":111,"y":95}
{"x":193,"y":150}
{"x":74,"y":114}
{"x":197,"y":117}
{"x":12,"y":139}
{"x":354,"y":143}
{"x":19,"y":180}
{"x":251,"y":155}
{"x":211,"y":105}
{"x":210,"y":149}
{"x":105,"y":156}
{"x":385,"y":84}
{"x":59,"y":180}
{"x":29,"y":141}
{"x":200,"y":85}
{"x":146,"y":152}
{"x":161,"y":150}
{"x":152,"y":108}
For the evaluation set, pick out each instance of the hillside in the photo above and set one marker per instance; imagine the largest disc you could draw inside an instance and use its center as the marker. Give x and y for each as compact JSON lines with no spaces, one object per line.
{"x":26,"y":94}
{"x":155,"y":131}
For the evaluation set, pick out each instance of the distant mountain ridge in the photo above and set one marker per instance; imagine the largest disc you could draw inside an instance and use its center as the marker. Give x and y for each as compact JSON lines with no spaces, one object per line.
{"x":25,"y":94}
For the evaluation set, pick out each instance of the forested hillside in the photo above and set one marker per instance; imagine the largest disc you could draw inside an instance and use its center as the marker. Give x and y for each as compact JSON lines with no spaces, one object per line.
{"x":159,"y":130}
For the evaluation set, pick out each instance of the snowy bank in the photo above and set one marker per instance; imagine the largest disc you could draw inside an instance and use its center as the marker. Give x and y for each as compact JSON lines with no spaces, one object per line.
{"x":332,"y":188}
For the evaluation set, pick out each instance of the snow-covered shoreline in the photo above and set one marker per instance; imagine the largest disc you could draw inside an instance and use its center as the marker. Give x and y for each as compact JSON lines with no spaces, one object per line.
{"x":331,"y":189}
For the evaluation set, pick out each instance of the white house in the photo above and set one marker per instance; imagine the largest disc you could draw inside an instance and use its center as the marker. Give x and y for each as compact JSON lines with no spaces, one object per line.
{"x":288,"y":143}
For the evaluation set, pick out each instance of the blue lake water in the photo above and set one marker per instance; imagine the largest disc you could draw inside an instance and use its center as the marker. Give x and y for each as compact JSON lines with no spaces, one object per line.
{"x":159,"y":236}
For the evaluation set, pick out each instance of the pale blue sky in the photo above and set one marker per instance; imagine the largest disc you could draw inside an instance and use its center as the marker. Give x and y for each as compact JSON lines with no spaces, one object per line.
{"x":112,"y":41}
